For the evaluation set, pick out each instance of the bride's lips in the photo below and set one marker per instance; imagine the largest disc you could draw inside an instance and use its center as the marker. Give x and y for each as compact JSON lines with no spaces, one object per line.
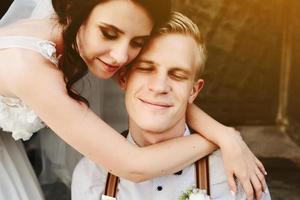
{"x":154,"y":104}
{"x":108,"y":67}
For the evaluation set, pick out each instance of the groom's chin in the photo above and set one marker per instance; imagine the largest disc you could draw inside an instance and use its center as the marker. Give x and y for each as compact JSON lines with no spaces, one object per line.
{"x":154,"y":126}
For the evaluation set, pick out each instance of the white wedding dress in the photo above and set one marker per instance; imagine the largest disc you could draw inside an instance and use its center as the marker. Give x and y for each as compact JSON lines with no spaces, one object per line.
{"x":18,"y":121}
{"x":17,"y":178}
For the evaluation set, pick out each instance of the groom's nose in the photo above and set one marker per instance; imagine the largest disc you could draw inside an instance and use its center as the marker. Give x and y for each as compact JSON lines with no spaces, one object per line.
{"x":159,"y":84}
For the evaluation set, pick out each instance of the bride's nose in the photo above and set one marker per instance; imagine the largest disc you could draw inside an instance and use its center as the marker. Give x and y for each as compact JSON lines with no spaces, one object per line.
{"x":119,"y":53}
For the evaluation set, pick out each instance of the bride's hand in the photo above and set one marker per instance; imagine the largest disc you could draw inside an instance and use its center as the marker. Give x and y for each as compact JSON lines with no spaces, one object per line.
{"x":242,"y":164}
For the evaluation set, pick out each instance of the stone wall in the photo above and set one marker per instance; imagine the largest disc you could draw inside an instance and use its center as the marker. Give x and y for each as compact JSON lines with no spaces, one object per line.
{"x":244,"y":47}
{"x":294,"y":93}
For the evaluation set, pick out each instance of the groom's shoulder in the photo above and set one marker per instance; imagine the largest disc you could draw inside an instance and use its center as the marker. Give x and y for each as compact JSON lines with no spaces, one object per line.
{"x":88,"y":180}
{"x":89,"y":169}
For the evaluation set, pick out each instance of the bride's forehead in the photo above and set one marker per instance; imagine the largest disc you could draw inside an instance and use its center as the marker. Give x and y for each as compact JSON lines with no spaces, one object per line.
{"x":119,"y":5}
{"x":126,"y":11}
{"x":131,"y":16}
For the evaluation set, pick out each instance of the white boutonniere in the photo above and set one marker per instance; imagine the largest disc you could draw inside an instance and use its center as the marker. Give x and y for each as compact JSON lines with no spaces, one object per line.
{"x":104,"y":197}
{"x":194,"y":194}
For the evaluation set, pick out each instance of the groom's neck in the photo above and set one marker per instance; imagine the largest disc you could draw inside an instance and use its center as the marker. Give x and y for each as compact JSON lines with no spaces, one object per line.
{"x":144,"y":137}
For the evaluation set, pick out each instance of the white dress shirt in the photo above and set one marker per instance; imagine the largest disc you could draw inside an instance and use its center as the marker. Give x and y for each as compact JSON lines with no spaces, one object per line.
{"x":89,"y":182}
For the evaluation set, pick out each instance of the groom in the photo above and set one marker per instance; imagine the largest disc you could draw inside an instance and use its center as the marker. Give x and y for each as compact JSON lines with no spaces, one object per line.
{"x":158,"y":86}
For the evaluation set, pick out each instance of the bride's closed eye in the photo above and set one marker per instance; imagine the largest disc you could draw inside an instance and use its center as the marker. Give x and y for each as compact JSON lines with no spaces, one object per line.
{"x":108,"y":33}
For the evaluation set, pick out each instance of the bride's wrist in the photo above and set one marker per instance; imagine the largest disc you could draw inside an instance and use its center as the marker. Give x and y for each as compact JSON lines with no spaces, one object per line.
{"x":230,"y":136}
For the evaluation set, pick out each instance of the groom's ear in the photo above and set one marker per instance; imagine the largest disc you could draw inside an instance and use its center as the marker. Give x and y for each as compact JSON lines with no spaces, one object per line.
{"x":122,"y":78}
{"x":197,"y":87}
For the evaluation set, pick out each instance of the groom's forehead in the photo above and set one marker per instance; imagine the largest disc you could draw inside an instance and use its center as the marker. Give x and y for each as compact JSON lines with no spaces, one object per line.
{"x":171,"y":49}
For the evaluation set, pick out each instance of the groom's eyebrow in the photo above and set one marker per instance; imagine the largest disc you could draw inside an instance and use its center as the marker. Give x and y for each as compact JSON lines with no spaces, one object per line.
{"x":150,"y":62}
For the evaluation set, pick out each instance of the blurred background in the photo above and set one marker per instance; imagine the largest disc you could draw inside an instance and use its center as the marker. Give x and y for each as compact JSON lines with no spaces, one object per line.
{"x":251,"y":81}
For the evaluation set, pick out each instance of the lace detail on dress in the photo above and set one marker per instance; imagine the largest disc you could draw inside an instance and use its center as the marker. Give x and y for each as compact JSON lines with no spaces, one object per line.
{"x":18,"y":118}
{"x":48,"y":50}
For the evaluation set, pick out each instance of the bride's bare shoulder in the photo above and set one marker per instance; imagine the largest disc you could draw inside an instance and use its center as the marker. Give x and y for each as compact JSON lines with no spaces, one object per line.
{"x":23,"y":66}
{"x":20,"y":66}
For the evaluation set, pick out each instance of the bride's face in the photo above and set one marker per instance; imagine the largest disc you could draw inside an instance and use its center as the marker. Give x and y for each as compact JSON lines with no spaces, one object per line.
{"x":112,"y":36}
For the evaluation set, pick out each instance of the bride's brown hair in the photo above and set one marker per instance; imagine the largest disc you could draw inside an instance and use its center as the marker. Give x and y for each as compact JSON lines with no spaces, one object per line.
{"x":72,"y":14}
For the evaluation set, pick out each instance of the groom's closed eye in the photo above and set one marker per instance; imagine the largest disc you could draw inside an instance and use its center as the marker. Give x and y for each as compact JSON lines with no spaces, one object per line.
{"x":180,"y":74}
{"x":142,"y":66}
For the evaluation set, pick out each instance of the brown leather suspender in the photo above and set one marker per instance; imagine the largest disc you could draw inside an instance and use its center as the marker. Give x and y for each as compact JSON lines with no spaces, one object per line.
{"x":202,"y":178}
{"x":202,"y":174}
{"x":111,"y":185}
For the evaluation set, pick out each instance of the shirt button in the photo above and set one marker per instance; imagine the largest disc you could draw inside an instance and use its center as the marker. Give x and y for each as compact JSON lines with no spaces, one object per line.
{"x":159,"y":188}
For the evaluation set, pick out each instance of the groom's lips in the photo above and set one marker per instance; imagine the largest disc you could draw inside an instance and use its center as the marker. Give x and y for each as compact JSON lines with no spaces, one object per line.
{"x":155,"y":104}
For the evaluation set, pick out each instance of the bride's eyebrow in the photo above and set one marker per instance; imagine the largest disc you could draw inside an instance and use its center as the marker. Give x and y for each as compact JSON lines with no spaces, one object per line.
{"x":114,"y":28}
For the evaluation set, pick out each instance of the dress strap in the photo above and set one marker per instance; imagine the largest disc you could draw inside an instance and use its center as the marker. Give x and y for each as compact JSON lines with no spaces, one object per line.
{"x":44,"y":47}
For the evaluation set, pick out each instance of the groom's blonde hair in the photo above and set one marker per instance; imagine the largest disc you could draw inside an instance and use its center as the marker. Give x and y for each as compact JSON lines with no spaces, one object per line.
{"x":179,"y":23}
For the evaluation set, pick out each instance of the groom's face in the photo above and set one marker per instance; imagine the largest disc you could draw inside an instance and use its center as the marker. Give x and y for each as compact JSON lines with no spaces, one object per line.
{"x":160,"y":84}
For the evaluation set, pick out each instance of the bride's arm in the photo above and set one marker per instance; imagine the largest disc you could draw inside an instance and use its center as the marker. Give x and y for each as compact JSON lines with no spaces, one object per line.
{"x":42,"y":89}
{"x":239,"y":161}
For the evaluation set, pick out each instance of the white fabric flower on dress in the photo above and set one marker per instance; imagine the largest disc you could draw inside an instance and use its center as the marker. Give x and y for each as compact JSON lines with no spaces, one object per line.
{"x":17,"y":118}
{"x":48,"y":50}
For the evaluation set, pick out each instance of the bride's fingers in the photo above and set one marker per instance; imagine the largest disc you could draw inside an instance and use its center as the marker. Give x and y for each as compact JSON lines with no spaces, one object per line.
{"x":261,"y":178}
{"x":247,"y":188}
{"x":232,"y":184}
{"x":257,"y":185}
{"x":260,"y":166}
